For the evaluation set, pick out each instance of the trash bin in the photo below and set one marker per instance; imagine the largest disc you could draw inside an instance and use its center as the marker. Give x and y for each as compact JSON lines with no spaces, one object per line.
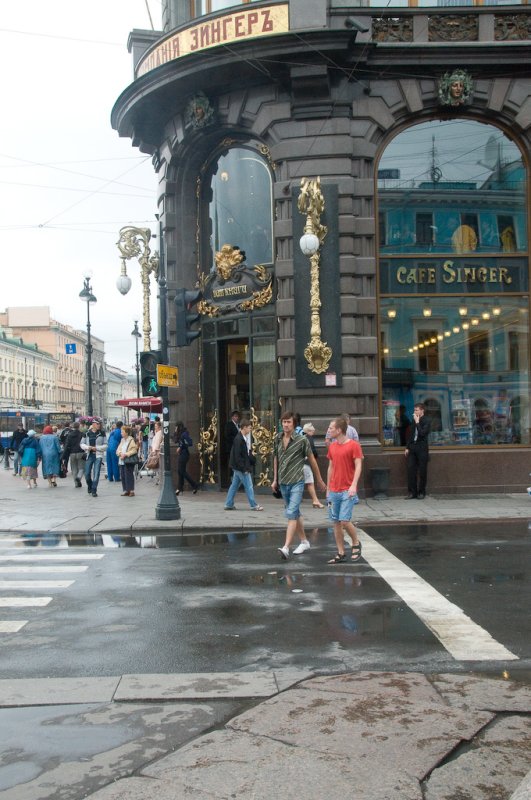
{"x":380,"y":479}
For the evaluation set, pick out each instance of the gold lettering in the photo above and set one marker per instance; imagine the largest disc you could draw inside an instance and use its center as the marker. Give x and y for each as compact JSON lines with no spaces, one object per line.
{"x":504,"y":275}
{"x":229,"y":291}
{"x":431,"y":274}
{"x":448,"y":272}
{"x":401,"y":274}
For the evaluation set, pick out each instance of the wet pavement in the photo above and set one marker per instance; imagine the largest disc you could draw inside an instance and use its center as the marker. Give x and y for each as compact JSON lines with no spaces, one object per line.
{"x":414,"y":716}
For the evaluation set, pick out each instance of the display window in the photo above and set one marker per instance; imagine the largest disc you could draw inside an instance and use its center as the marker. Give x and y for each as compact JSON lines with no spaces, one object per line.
{"x":454,"y":285}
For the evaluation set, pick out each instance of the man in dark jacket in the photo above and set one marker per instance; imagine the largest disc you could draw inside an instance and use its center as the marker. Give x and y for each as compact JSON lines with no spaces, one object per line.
{"x":74,"y":452}
{"x":241,"y":462}
{"x":14,"y":444}
{"x":417,"y":454}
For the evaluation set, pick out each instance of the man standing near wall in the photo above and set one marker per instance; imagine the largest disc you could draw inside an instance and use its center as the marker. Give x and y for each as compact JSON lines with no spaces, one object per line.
{"x":417,"y":454}
{"x":291,"y":450}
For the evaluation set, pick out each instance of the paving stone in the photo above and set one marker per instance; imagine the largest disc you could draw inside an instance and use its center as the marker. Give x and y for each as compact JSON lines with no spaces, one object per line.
{"x":491,"y":769}
{"x":465,"y":691}
{"x":523,"y":792}
{"x":69,"y":752}
{"x":285,"y":678}
{"x":385,"y":727}
{"x":56,"y":691}
{"x":196,"y":686}
{"x":148,"y":789}
{"x":405,"y":685}
{"x":225,"y":764}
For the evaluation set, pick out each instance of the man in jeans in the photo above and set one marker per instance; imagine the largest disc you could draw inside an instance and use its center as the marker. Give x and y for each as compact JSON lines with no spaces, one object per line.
{"x":291,"y":451}
{"x":344,"y":471}
{"x":94,"y":444}
{"x":242,"y":462}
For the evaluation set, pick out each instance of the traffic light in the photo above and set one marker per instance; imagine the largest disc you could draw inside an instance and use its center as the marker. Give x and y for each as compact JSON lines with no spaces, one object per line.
{"x":184,"y":317}
{"x":148,"y":372}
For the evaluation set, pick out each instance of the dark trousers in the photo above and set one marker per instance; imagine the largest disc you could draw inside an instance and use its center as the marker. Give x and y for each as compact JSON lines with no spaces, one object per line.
{"x":182,"y":473}
{"x":417,"y":465}
{"x":127,"y":474}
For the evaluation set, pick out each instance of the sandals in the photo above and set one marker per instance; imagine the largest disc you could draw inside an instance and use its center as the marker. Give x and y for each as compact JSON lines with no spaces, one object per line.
{"x":339,"y":558}
{"x":317,"y":505}
{"x":356,"y":552}
{"x":257,"y":508}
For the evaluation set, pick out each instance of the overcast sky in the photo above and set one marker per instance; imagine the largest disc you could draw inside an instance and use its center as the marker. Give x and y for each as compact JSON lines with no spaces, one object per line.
{"x":68,"y":183}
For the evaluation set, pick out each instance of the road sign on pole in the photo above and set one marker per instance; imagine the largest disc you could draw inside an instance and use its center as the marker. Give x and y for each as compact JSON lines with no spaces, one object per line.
{"x":167,"y":376}
{"x":70,"y":349}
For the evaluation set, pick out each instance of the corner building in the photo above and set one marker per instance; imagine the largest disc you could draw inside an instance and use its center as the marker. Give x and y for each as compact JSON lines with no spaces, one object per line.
{"x":416,"y":121}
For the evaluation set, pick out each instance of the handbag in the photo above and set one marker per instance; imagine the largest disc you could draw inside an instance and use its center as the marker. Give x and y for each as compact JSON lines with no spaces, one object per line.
{"x":62,"y":470}
{"x":153,"y":461}
{"x":131,"y":459}
{"x":277,"y":493}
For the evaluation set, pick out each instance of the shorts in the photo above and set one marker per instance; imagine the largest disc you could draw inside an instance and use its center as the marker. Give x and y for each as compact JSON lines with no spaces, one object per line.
{"x":340,"y":506}
{"x":308,"y":474}
{"x":292,"y":494}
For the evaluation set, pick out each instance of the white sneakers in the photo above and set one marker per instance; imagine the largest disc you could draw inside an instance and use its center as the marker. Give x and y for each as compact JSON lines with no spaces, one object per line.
{"x":284,"y":552}
{"x":304,"y":545}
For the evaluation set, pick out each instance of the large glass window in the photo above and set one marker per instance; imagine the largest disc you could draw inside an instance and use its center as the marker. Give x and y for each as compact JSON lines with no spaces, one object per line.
{"x":240,"y":211}
{"x":454,"y":284}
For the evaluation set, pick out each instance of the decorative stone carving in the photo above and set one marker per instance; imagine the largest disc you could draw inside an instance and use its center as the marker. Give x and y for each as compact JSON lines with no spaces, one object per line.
{"x":511,"y":27}
{"x":199,"y":112}
{"x":393,"y":29}
{"x":455,"y":88}
{"x":453,"y":28}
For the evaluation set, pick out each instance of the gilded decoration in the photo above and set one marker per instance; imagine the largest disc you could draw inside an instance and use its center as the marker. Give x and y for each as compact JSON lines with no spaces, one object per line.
{"x":453,"y":28}
{"x":311,"y":203}
{"x":262,"y":446}
{"x":512,"y":27}
{"x":134,"y":243}
{"x":233,"y":286}
{"x":394,"y":29}
{"x":455,"y":88}
{"x":199,"y":112}
{"x":207,"y":448}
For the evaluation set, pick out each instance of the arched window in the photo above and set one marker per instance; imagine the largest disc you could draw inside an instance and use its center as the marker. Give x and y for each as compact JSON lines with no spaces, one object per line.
{"x":240,"y":206}
{"x":454,"y":281}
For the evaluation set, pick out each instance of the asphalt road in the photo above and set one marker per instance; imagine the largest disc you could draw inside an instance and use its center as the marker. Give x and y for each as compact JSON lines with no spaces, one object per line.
{"x":217,"y":603}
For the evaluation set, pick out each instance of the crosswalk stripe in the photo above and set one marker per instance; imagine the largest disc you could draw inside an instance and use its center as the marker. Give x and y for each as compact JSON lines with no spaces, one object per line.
{"x":23,"y":602}
{"x":463,"y":638}
{"x":35,"y":584}
{"x":12,"y":626}
{"x":43,"y":568}
{"x":53,"y":557}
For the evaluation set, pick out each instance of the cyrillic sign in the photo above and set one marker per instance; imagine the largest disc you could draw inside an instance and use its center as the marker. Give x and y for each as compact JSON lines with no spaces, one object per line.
{"x":248,"y":24}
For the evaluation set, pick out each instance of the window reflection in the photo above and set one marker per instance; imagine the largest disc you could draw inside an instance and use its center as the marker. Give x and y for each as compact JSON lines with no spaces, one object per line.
{"x":240,"y":211}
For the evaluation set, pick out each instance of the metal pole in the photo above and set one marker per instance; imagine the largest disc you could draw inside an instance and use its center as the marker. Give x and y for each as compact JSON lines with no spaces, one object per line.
{"x":167,"y":506}
{"x":137,"y":334}
{"x":90,"y":409}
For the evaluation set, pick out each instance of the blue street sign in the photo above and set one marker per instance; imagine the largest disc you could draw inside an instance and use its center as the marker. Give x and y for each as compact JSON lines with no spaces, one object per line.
{"x":70,"y":348}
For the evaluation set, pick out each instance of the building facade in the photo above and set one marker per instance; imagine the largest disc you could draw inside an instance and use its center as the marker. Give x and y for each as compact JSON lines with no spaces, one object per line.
{"x":27,"y":375}
{"x":397,"y":141}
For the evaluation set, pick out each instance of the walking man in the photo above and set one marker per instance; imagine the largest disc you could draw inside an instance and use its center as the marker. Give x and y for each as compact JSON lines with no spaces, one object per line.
{"x":417,"y":454}
{"x":16,"y":440}
{"x":241,"y":462}
{"x":344,"y":470}
{"x":74,"y":452}
{"x":94,"y":444}
{"x":291,"y":450}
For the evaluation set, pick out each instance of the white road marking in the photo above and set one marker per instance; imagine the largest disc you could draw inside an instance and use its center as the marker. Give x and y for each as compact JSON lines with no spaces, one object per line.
{"x":35,"y":584}
{"x":44,"y":568}
{"x":53,"y":557}
{"x":24,"y":602}
{"x":12,"y":626}
{"x":463,"y":638}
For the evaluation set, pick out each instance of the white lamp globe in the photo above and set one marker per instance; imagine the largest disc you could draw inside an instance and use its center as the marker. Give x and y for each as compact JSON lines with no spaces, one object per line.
{"x":123,"y":284}
{"x":309,"y":244}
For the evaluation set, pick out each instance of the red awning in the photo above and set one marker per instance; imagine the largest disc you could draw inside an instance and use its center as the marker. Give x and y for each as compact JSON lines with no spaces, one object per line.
{"x":141,"y":403}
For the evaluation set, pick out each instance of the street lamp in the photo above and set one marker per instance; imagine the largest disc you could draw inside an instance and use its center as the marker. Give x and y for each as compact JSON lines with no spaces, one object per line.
{"x":87,"y":296}
{"x":136,"y":333}
{"x":134,"y":242}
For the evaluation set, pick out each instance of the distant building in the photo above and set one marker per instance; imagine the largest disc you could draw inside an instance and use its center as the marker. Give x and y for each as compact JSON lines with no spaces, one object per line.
{"x":27,"y":375}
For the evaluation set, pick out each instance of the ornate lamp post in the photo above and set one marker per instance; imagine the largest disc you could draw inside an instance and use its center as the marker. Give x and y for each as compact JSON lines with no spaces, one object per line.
{"x":311,"y":203}
{"x":87,"y":296}
{"x":134,"y":242}
{"x":136,"y":333}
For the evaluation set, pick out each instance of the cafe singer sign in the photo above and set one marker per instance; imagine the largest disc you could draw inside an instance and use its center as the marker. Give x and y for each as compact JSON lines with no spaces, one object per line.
{"x":228,"y":29}
{"x":453,"y":275}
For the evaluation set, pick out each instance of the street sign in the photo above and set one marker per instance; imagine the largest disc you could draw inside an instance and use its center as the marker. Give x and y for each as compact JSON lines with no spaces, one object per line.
{"x":70,"y":349}
{"x":167,"y":376}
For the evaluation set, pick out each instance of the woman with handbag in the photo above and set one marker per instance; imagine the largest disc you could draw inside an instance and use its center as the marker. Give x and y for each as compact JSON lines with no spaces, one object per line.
{"x":127,"y":453}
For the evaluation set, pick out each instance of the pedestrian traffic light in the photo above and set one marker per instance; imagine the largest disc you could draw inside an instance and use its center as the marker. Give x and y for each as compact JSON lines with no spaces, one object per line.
{"x":184,"y":317}
{"x":148,"y":371}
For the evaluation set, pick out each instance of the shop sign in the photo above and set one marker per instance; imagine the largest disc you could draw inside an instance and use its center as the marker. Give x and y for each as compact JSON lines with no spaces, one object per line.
{"x":233,"y":286}
{"x":249,"y":24}
{"x":453,"y":275}
{"x":167,"y":375}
